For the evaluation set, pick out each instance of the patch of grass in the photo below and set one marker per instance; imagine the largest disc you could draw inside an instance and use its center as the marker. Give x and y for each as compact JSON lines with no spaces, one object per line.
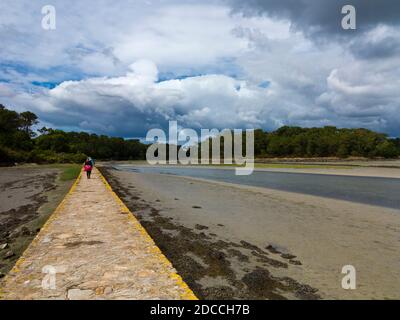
{"x":70,"y":172}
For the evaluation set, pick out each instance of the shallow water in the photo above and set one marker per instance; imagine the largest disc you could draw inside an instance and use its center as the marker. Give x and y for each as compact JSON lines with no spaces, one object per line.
{"x":383,"y":192}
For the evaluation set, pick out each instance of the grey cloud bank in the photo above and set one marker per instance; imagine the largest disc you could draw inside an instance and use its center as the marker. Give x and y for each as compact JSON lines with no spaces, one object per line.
{"x":106,"y":60}
{"x":323,"y":17}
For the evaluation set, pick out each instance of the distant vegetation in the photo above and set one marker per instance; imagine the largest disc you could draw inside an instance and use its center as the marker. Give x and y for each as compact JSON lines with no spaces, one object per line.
{"x":325,"y":142}
{"x":18,"y":143}
{"x":329,"y":141}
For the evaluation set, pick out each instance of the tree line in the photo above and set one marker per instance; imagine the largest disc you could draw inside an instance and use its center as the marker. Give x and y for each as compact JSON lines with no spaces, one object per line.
{"x":328,"y":141}
{"x":19,"y":143}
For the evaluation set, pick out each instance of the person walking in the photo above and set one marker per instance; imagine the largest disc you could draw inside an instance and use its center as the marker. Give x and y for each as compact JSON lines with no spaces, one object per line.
{"x":92,"y":161}
{"x":88,"y":166}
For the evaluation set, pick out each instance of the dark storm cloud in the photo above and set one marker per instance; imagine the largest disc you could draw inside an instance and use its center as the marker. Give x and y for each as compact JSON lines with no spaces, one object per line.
{"x":323,"y":17}
{"x":383,"y":48}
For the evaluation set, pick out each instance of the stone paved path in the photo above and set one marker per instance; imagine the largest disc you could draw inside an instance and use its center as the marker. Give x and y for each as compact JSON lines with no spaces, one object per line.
{"x":92,"y":247}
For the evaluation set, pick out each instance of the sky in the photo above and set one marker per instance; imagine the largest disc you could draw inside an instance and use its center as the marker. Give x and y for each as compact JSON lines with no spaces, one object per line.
{"x":121,"y":68}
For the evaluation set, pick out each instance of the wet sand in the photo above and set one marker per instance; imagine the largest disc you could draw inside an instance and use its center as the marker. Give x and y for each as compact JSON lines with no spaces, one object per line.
{"x":347,"y":171}
{"x":363,"y":162}
{"x":28,"y":195}
{"x":231,"y":241}
{"x":368,"y":169}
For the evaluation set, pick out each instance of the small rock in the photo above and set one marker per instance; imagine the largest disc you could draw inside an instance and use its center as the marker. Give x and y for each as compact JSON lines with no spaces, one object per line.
{"x":9,"y":254}
{"x":295,"y":262}
{"x":46,"y":239}
{"x":99,"y":291}
{"x":200,"y":227}
{"x":272,"y":249}
{"x":108,"y":290}
{"x":14,"y":234}
{"x":25,"y":231}
{"x":287,"y":256}
{"x":3,"y":246}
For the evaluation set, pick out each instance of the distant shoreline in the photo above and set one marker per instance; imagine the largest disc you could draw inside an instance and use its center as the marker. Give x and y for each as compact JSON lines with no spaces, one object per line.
{"x":383,"y":169}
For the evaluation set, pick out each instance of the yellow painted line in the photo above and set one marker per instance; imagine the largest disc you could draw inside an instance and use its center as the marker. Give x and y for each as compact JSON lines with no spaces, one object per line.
{"x":188,"y":293}
{"x":43,"y":230}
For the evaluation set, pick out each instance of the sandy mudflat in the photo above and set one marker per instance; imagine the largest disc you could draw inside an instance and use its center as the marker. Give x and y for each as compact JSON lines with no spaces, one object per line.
{"x":388,"y":163}
{"x":349,"y":171}
{"x":368,"y":169}
{"x":28,"y":195}
{"x":230,"y":241}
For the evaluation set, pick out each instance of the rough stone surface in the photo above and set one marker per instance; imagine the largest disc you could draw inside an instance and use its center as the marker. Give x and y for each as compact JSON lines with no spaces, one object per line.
{"x":78,"y":294}
{"x":89,"y":250}
{"x":9,"y":254}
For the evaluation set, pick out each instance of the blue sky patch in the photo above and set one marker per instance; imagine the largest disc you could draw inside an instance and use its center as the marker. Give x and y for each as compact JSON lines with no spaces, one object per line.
{"x":48,"y":85}
{"x":265,"y":84}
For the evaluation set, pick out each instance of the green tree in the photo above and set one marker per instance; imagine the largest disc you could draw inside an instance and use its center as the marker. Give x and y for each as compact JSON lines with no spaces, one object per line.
{"x":28,"y":119}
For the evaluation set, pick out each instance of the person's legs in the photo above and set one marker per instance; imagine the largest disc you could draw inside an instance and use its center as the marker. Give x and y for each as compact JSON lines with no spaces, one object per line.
{"x":88,"y":174}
